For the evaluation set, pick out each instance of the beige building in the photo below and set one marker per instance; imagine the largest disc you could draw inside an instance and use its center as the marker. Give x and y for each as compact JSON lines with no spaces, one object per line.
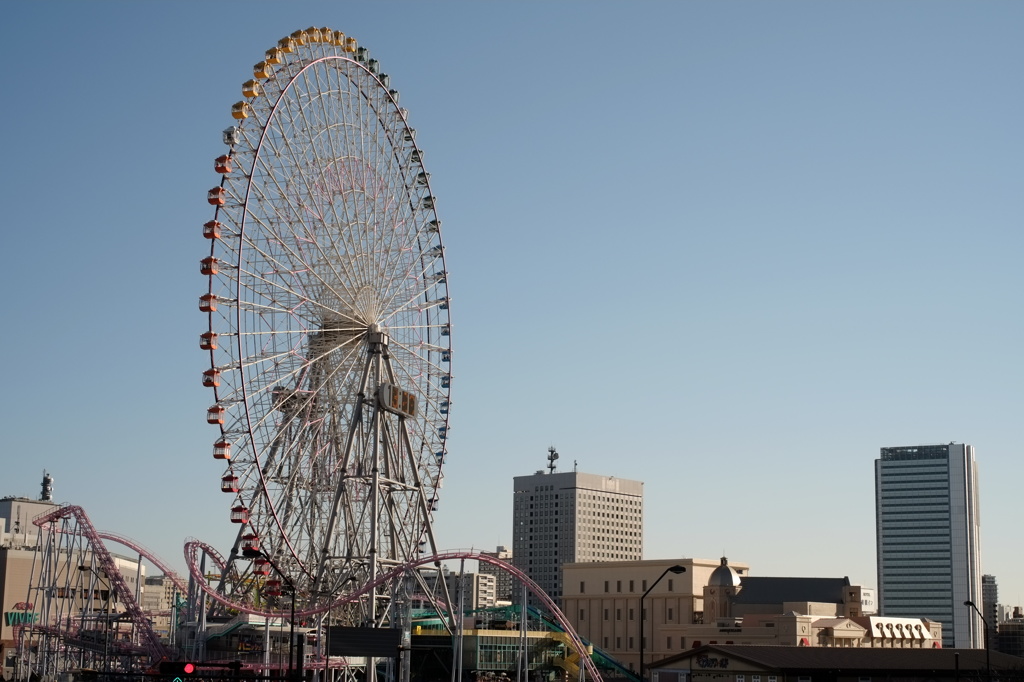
{"x":158,"y":597}
{"x":717,"y":602}
{"x":18,"y":540}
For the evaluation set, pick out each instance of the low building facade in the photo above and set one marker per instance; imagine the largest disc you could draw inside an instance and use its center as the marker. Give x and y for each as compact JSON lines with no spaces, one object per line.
{"x":691,"y":603}
{"x":817,"y":664}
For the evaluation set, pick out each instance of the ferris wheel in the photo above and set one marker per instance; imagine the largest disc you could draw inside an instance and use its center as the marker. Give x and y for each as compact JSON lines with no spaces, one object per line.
{"x":329,"y":335}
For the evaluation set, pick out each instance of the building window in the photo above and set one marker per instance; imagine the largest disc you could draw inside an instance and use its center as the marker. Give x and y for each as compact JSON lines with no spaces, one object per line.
{"x":669,"y":614}
{"x":668,"y":645}
{"x":630,"y":642}
{"x":605,"y":585}
{"x":605,"y":642}
{"x":755,"y":678}
{"x":581,"y":614}
{"x":630,"y":585}
{"x":618,"y":586}
{"x":618,"y":614}
{"x":739,"y":678}
{"x":631,"y":614}
{"x":772,"y":678}
{"x":618,"y":642}
{"x":670,"y":585}
{"x":583,"y":587}
{"x":606,"y":614}
{"x":643,"y":585}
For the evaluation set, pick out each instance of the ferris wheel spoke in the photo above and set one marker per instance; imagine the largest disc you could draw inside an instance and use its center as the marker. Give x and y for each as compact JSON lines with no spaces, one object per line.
{"x":419,"y":275}
{"x":423,"y":365}
{"x":296,"y":262}
{"x":340,"y":278}
{"x":285,"y":216}
{"x":278,"y":285}
{"x":272,"y":379}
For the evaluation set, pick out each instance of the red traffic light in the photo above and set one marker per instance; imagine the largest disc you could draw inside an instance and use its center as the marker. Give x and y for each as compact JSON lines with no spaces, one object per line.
{"x":177,"y":668}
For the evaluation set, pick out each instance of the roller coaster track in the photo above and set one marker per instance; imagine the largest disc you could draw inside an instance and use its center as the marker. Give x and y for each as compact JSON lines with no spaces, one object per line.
{"x":149,"y":555}
{"x":57,"y":521}
{"x":194,"y":548}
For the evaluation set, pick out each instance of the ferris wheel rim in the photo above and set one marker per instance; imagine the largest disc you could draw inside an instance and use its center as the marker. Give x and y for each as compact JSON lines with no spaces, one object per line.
{"x":246,"y":395}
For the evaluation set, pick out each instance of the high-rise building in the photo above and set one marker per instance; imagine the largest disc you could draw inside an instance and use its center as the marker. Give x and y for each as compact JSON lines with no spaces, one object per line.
{"x":990,"y":605}
{"x":569,"y":517}
{"x":927,"y":536}
{"x":502,"y":580}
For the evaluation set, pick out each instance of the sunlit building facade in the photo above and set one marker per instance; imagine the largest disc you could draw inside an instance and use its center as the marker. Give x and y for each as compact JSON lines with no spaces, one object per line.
{"x":502,"y":579}
{"x":561,"y":518}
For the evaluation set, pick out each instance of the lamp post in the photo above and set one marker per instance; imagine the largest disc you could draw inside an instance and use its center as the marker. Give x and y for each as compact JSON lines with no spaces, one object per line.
{"x":988,"y":657}
{"x":254,"y":553}
{"x":677,"y":569}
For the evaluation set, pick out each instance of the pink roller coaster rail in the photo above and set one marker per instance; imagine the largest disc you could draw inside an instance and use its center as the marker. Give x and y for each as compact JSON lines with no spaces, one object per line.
{"x":194,"y":547}
{"x":151,"y":641}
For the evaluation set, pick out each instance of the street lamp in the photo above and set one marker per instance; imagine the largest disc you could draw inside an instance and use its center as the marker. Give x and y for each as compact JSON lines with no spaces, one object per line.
{"x":677,"y":569}
{"x":255,"y":553}
{"x":988,"y":658}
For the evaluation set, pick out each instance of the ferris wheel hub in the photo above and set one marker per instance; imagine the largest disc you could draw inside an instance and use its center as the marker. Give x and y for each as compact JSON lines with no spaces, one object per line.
{"x":376,"y":337}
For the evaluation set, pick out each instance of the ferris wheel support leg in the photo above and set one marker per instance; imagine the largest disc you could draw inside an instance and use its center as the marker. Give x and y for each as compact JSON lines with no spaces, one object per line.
{"x":377,"y":341}
{"x":332,"y":522}
{"x":425,"y":511}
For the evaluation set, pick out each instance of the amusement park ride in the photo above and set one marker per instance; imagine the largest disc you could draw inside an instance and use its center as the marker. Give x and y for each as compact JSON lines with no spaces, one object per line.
{"x":329,"y":352}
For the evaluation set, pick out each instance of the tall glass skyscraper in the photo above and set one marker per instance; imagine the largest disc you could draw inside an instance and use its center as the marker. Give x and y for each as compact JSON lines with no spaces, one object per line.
{"x":927,"y":535}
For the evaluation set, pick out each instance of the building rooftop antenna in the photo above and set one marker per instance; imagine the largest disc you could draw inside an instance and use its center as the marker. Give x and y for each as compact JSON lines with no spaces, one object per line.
{"x":552,"y":456}
{"x":47,"y":493}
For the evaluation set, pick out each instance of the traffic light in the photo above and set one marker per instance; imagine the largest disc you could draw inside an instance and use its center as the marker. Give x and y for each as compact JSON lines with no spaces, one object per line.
{"x":177,"y":668}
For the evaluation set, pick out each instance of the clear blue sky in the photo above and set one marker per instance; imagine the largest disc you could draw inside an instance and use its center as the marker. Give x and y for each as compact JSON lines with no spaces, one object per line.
{"x":730,"y":249}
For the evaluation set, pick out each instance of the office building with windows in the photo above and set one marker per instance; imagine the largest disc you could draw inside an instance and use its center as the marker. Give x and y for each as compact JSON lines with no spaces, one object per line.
{"x":572,"y":517}
{"x":502,"y":580}
{"x":927,"y":536}
{"x":990,"y":606}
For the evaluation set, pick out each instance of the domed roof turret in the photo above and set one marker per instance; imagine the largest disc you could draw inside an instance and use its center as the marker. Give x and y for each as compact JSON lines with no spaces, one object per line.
{"x":724,"y":576}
